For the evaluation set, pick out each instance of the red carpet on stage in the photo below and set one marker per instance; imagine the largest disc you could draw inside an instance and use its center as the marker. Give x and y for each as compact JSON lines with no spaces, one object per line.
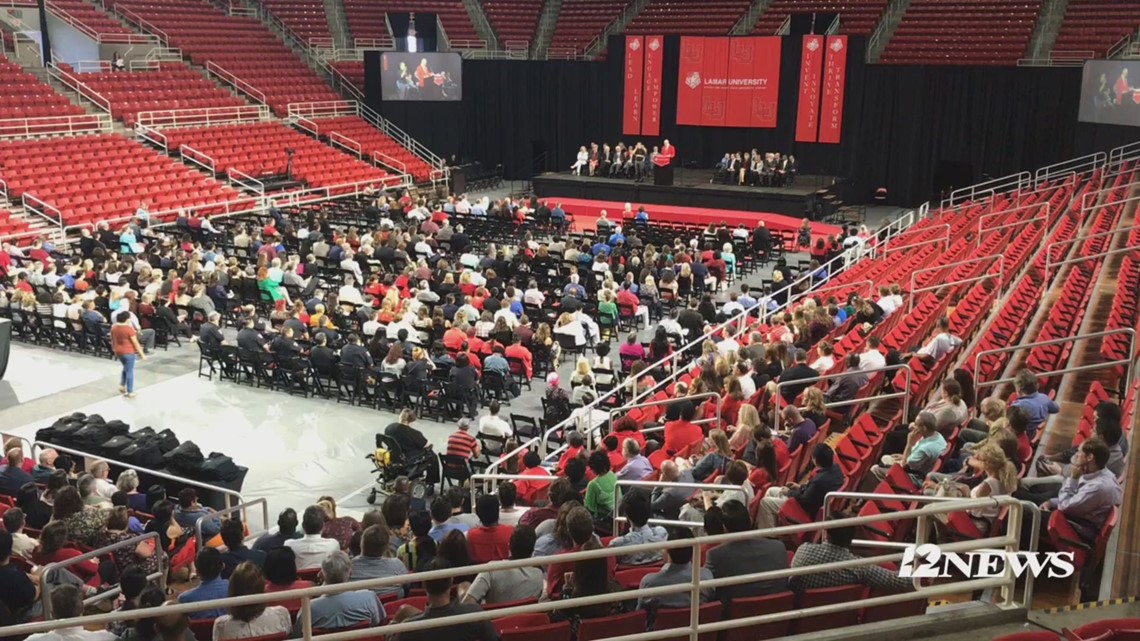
{"x":587,"y":211}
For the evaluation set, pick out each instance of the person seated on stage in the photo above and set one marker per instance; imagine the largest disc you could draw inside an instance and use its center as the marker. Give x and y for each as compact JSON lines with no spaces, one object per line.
{"x":640,"y":155}
{"x":593,"y":161}
{"x":582,"y":161}
{"x":743,"y":169}
{"x":720,"y":170}
{"x":604,"y":161}
{"x":790,"y":170}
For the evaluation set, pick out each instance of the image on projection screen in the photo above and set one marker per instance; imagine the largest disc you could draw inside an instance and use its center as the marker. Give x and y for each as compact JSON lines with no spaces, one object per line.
{"x":421,"y":76}
{"x":1110,"y":92}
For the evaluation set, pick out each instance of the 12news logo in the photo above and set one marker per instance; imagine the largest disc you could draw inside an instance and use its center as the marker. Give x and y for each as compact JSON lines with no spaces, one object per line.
{"x":933,"y":563}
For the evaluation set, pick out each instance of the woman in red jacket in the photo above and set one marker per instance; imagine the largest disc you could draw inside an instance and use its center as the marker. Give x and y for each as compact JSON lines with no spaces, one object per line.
{"x":54,"y":548}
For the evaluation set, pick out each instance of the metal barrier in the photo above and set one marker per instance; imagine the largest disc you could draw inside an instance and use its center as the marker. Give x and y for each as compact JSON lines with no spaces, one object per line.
{"x":100,"y":38}
{"x":228,"y":494}
{"x":247,"y":205}
{"x":1128,"y":373}
{"x":905,"y":395}
{"x":216,"y":70}
{"x":79,"y":87}
{"x":197,"y":117}
{"x":348,"y":144}
{"x":1086,"y":206}
{"x":1016,"y":181}
{"x":923,"y":523}
{"x":1081,"y":165}
{"x":1050,"y":263}
{"x":981,"y":219}
{"x":160,"y":576}
{"x":143,"y":24}
{"x":198,"y":158}
{"x":218,"y":514}
{"x":385,"y":160}
{"x":243,"y":179}
{"x":490,"y":481}
{"x":914,"y":274}
{"x":1005,"y":582}
{"x":719,"y":487}
{"x":961,"y":281}
{"x":1123,"y":153}
{"x":949,"y":235}
{"x":703,"y":395}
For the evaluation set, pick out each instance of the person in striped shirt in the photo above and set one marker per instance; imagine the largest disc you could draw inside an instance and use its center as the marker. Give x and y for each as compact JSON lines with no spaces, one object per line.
{"x":461,"y":443}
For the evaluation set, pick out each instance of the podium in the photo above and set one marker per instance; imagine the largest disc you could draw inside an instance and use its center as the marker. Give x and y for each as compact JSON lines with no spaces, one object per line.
{"x":663,"y":174}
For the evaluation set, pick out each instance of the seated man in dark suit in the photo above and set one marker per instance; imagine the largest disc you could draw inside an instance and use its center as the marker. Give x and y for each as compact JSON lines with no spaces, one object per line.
{"x":826,"y":478}
{"x":323,"y":358}
{"x":13,"y":476}
{"x":745,"y":557}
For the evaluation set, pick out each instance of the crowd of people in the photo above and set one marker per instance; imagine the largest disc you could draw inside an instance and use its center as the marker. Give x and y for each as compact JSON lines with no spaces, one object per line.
{"x":620,"y":161}
{"x":770,"y":169}
{"x":411,"y":306}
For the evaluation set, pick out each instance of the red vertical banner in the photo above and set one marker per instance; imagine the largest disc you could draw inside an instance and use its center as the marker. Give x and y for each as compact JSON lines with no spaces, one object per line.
{"x":714,"y":89}
{"x":766,"y":75}
{"x":651,"y":118}
{"x":634,"y":72}
{"x":834,"y":82}
{"x":741,"y":52}
{"x":807,"y":110}
{"x":689,"y":80}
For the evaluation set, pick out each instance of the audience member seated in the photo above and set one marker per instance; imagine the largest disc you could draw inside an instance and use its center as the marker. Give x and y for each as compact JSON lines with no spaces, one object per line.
{"x":827,"y":477}
{"x":1089,"y":492}
{"x":189,"y":510}
{"x":344,"y":609}
{"x":337,"y":528}
{"x":491,"y":540}
{"x":312,"y":548}
{"x":233,"y":536}
{"x":439,"y":605}
{"x":286,"y":531}
{"x":599,"y":498}
{"x":12,"y":476}
{"x":67,"y":603}
{"x":212,"y":585}
{"x":666,"y":502}
{"x":1036,"y":404}
{"x":637,"y":510}
{"x":83,"y":524}
{"x":377,"y":560}
{"x":281,"y":573}
{"x":246,"y":621}
{"x":677,"y":570}
{"x":924,"y":444}
{"x":836,"y":548}
{"x":749,"y":556}
{"x":22,"y":544}
{"x":506,"y":586}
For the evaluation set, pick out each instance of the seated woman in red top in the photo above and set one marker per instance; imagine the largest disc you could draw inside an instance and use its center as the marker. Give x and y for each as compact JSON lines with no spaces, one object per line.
{"x":574,"y":443}
{"x":683,"y":432}
{"x":626,"y":427}
{"x":54,"y":548}
{"x":281,"y":575}
{"x":491,"y":541}
{"x":730,"y":404}
{"x":529,"y":491}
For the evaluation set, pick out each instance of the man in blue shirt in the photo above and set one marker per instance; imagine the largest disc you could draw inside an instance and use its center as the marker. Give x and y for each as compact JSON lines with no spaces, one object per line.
{"x":345,"y":609}
{"x":746,"y":299}
{"x":638,"y":511}
{"x":1037,"y":405}
{"x":678,"y":570}
{"x":642,"y":217}
{"x":616,"y":237}
{"x":189,"y":511}
{"x":440,"y":517}
{"x":213,"y":586}
{"x":599,"y":247}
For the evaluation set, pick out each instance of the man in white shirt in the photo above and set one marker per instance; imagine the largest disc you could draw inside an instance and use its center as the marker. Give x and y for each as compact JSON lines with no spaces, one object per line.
{"x":348,"y":292}
{"x":941,"y":344}
{"x":103,"y":486}
{"x":492,"y":425}
{"x":507,"y":315}
{"x":349,"y":264}
{"x":463,"y":206}
{"x":733,"y":306}
{"x":372,"y":325}
{"x":871,"y":358}
{"x":534,"y":295}
{"x":312,"y":548}
{"x":887,"y":302}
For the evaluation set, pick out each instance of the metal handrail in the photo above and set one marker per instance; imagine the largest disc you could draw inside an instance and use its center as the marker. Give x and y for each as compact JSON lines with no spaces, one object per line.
{"x":1128,"y":373}
{"x":196,"y":158}
{"x":905,"y":395}
{"x":1050,"y":264}
{"x":929,"y":288}
{"x":693,"y":587}
{"x":238,"y":84}
{"x":245,"y":180}
{"x":669,"y":401}
{"x":992,"y":213}
{"x":1090,"y":162}
{"x":45,"y":573}
{"x":218,"y":514}
{"x":992,"y":186}
{"x":385,"y":160}
{"x":1123,"y":153}
{"x":227,"y":493}
{"x":719,"y":487}
{"x":947,"y":240}
{"x":1085,"y":205}
{"x":338,"y":139}
{"x":914,"y":274}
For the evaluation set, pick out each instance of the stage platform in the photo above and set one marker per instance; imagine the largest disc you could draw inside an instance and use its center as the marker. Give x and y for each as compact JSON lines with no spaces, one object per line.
{"x":586,"y":212}
{"x":691,"y":188}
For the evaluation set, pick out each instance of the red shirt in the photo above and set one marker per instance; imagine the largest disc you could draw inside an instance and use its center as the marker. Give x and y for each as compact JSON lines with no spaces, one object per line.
{"x":83,"y":569}
{"x":782,"y":454}
{"x":453,"y":339}
{"x":121,"y":343}
{"x":680,"y":434}
{"x":528,"y":490}
{"x":485,"y":544}
{"x":41,"y":255}
{"x":523,"y":354}
{"x":25,"y":286}
{"x":570,"y":453}
{"x":556,"y":572}
{"x":617,"y":461}
{"x":1024,"y":449}
{"x":626,"y":297}
{"x":296,"y":585}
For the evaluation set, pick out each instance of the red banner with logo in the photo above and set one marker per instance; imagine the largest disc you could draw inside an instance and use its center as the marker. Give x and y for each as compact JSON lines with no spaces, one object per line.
{"x":651,"y":117}
{"x":765,"y":80}
{"x":728,"y":82}
{"x":714,"y":88}
{"x":689,"y":80}
{"x":807,"y":110}
{"x":834,"y":81}
{"x":634,"y":74}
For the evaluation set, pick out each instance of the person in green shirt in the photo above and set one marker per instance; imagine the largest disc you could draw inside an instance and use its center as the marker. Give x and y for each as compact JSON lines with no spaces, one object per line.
{"x":600,"y":491}
{"x":607,"y":306}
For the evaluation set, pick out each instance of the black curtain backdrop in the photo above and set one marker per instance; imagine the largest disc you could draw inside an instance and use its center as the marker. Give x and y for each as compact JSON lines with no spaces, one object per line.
{"x":905,"y":128}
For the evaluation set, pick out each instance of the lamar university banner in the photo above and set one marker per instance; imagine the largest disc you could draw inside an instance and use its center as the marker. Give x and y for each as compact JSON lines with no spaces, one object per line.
{"x":641,"y":107}
{"x":728,"y":82}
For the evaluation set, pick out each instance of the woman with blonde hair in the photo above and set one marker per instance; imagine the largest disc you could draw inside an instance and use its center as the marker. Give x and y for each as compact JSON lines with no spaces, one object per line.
{"x":814,"y":408}
{"x":718,"y":456}
{"x":747,"y":420}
